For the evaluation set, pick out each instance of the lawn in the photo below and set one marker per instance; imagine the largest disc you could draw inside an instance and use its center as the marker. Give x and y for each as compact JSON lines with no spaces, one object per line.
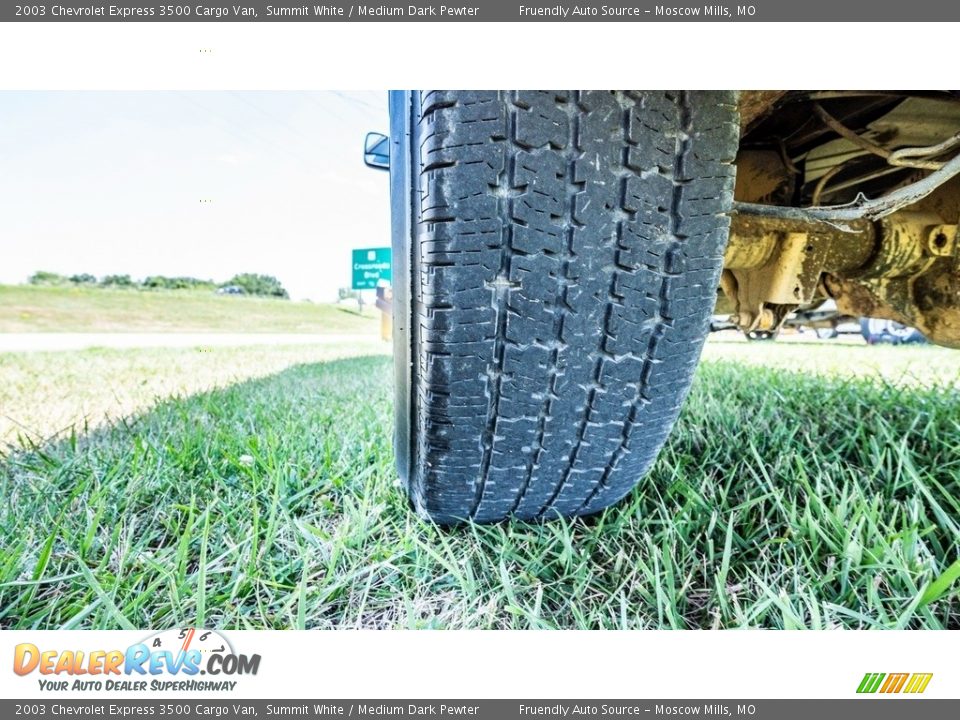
{"x":800,"y":489}
{"x":27,"y":308}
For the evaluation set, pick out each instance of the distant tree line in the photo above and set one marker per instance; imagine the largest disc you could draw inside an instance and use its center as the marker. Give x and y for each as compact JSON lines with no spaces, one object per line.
{"x":254,"y":284}
{"x":241,"y":284}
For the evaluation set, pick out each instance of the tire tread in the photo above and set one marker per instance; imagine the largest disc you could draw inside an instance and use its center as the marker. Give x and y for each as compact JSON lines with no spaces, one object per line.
{"x":569,"y":246}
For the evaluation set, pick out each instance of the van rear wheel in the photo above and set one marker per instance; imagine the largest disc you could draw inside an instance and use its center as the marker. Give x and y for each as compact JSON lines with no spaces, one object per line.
{"x":556,"y":262}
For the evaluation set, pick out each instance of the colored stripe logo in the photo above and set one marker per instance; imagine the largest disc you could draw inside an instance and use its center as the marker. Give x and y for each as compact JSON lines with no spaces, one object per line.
{"x":887,"y":683}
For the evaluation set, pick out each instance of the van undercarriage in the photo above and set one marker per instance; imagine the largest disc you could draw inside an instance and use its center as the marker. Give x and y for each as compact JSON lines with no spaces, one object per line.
{"x":804,"y":231}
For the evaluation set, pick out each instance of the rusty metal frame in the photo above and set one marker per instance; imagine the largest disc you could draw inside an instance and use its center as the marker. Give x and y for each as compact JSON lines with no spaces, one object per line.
{"x":889,"y":268}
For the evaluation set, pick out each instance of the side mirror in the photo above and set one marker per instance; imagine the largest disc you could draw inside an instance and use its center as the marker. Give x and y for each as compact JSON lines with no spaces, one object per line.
{"x":376,"y":151}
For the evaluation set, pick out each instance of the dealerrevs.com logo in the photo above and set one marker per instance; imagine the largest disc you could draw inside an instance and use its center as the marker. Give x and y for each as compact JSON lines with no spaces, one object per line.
{"x":170,"y":660}
{"x":892,"y":683}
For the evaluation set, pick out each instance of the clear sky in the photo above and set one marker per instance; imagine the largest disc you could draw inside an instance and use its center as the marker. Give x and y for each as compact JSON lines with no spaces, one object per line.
{"x":102,"y":182}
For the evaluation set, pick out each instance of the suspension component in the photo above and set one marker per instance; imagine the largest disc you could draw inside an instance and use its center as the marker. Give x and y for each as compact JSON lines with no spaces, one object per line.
{"x":772,"y":266}
{"x":885,"y":268}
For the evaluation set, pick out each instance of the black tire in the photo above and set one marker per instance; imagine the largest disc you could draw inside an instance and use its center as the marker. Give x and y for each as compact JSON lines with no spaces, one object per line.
{"x":556,"y":262}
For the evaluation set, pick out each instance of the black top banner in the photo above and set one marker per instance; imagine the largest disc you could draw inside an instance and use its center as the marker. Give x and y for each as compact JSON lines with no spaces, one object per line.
{"x":487,"y":10}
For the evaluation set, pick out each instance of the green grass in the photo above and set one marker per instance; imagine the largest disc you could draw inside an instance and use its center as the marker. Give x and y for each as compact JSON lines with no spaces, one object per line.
{"x":27,"y":308}
{"x":784,"y":499}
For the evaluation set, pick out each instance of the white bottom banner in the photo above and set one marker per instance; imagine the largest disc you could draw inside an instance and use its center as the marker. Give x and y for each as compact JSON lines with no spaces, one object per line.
{"x":202,"y":663}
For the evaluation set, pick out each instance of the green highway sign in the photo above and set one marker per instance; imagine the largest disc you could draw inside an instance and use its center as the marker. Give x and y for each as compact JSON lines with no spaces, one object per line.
{"x":370,"y":266}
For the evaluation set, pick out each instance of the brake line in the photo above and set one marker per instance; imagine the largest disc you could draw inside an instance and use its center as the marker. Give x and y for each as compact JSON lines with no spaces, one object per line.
{"x":861,"y":208}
